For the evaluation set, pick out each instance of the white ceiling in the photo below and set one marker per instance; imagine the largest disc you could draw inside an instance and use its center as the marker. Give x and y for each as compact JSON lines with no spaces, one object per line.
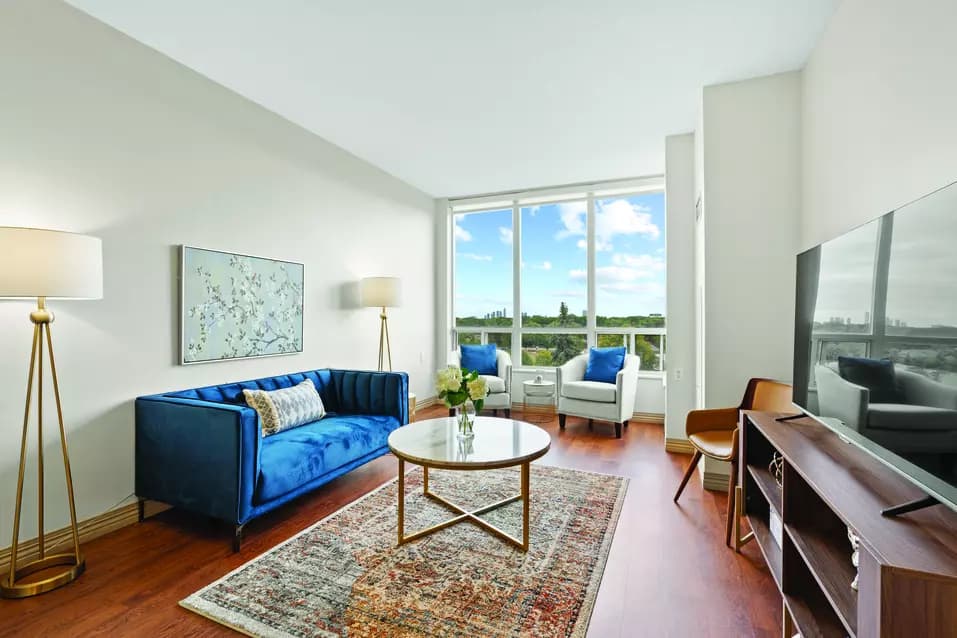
{"x":460,"y":98}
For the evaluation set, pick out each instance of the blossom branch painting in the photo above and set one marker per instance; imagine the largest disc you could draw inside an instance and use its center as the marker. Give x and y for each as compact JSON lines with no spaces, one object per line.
{"x":236,"y":306}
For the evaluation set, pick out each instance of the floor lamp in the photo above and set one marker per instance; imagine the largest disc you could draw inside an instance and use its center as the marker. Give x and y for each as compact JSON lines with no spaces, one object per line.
{"x":45,"y":264}
{"x":381,"y":292}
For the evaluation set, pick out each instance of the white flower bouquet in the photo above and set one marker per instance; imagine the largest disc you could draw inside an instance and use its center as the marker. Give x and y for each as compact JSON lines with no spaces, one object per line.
{"x":459,"y":388}
{"x":456,"y":386}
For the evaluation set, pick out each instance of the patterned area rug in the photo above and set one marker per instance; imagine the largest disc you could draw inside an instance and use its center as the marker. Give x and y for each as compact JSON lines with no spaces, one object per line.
{"x":345,"y":576}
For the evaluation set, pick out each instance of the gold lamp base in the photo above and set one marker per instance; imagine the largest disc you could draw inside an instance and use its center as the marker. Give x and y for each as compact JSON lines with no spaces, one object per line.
{"x":385,"y":350}
{"x":10,"y":586}
{"x":25,"y":590}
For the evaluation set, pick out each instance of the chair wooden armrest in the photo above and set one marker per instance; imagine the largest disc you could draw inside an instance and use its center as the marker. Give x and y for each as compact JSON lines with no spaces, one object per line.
{"x":716,"y":419}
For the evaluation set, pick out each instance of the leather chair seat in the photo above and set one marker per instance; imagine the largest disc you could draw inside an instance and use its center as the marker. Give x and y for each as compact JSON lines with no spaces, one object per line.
{"x":714,"y":443}
{"x":590,"y":391}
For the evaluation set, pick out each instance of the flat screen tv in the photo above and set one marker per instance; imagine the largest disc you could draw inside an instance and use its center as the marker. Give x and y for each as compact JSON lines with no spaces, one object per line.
{"x":875,"y":345}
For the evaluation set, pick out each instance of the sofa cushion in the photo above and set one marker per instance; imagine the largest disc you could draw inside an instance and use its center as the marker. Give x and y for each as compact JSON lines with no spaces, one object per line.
{"x":482,"y":359}
{"x":900,"y":416}
{"x":496,"y":385}
{"x":590,"y":391}
{"x":286,"y":408}
{"x":877,"y":375}
{"x":297,"y":456}
{"x":604,"y":364}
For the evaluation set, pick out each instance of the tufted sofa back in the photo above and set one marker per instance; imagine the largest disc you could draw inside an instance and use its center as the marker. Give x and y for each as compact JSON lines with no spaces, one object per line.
{"x":342,"y":391}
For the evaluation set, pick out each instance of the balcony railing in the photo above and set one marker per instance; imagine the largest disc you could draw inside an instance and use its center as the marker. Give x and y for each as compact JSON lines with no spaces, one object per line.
{"x":604,"y":336}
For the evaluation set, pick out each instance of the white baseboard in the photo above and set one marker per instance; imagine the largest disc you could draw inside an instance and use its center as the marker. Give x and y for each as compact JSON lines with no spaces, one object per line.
{"x":678,"y":446}
{"x":714,"y":481}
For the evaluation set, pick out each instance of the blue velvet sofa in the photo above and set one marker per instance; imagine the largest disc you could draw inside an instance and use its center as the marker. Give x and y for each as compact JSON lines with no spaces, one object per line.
{"x":202,"y":449}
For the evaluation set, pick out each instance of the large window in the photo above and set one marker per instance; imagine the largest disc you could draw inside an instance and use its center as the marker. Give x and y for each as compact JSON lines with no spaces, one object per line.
{"x":483,"y":268}
{"x":554,"y":287}
{"x":630,"y":273}
{"x":591,"y":271}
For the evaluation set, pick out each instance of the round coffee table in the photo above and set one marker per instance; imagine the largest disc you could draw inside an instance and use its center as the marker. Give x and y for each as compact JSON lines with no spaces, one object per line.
{"x":498,"y":443}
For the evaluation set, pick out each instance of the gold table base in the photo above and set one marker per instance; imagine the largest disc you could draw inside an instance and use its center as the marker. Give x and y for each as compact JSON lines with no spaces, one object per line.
{"x":463,"y":514}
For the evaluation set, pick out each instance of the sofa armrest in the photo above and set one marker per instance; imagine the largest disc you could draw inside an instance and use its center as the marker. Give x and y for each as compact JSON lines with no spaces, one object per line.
{"x":919,"y":390}
{"x":840,"y":399}
{"x":373,"y":393}
{"x":572,"y":370}
{"x":503,"y":362}
{"x":197,"y":455}
{"x":626,"y":382}
{"x":455,"y":358}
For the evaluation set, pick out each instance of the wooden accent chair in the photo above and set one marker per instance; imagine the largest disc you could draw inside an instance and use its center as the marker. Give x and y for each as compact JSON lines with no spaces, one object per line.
{"x":714,"y":433}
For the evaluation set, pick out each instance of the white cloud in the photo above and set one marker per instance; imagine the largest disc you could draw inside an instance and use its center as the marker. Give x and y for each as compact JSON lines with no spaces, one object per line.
{"x":505,"y":234}
{"x":646,"y":265}
{"x":614,"y":218}
{"x":461,"y":234}
{"x":568,"y":293}
{"x":648,"y":288}
{"x":475,"y":256}
{"x":545,"y":265}
{"x":573,"y":217}
{"x":620,"y":217}
{"x":624,"y":268}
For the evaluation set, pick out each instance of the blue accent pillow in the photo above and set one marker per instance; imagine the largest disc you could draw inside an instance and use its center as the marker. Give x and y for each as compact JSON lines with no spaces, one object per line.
{"x":877,"y":375}
{"x":480,"y":358}
{"x":604,"y":364}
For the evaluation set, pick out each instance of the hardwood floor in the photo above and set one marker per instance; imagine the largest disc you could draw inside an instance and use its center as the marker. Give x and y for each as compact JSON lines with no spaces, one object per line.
{"x":668,"y":574}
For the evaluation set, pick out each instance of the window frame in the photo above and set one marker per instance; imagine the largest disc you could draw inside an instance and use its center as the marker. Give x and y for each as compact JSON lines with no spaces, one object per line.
{"x":590,"y":193}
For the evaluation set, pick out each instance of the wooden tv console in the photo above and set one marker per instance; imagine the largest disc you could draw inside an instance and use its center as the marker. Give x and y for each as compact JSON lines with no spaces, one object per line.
{"x":908,"y":565}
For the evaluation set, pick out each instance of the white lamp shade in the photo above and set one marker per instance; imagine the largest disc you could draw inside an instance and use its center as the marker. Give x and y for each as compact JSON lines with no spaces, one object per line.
{"x":380,"y":292}
{"x":50,"y":263}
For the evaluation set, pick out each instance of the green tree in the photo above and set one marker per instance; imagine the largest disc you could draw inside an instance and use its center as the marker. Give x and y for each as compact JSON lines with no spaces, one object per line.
{"x":565,"y":348}
{"x":647,"y":354}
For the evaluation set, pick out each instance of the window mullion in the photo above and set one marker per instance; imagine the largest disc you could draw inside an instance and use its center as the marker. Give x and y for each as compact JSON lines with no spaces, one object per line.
{"x":516,"y":284}
{"x":591,"y":321}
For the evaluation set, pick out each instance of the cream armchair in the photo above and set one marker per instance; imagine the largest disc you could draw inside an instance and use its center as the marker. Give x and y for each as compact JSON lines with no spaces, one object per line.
{"x":499,"y":386}
{"x":592,"y":400}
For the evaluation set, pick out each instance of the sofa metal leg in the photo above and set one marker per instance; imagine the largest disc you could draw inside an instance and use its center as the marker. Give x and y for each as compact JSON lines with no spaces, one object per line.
{"x":494,"y":412}
{"x":451,"y":411}
{"x":508,"y":413}
{"x":237,"y":538}
{"x":561,"y":421}
{"x":591,"y":423}
{"x":625,"y":424}
{"x":618,"y":430}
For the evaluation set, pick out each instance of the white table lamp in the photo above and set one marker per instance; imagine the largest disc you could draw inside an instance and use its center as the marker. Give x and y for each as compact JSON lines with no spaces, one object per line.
{"x":45,"y":264}
{"x":381,"y":292}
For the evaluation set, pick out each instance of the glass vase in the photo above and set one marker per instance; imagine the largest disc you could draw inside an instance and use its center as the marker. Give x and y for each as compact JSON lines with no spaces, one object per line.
{"x":465,"y":418}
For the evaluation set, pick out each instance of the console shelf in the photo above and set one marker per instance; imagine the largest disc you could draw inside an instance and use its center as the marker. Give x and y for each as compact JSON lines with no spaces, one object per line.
{"x":908,"y":565}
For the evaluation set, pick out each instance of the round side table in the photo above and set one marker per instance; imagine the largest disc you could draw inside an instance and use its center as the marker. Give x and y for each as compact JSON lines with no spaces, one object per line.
{"x":539,"y":403}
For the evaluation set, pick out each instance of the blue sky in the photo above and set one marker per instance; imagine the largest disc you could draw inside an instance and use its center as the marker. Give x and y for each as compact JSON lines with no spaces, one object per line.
{"x":630,"y":262}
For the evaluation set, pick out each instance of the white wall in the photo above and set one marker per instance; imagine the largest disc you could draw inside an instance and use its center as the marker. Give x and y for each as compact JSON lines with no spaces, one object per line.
{"x":880,"y":98}
{"x":680,"y":221}
{"x":751,"y":155}
{"x":103,"y":136}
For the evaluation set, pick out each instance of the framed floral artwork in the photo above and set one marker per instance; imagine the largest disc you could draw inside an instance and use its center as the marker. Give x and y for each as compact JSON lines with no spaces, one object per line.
{"x":237,"y":306}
